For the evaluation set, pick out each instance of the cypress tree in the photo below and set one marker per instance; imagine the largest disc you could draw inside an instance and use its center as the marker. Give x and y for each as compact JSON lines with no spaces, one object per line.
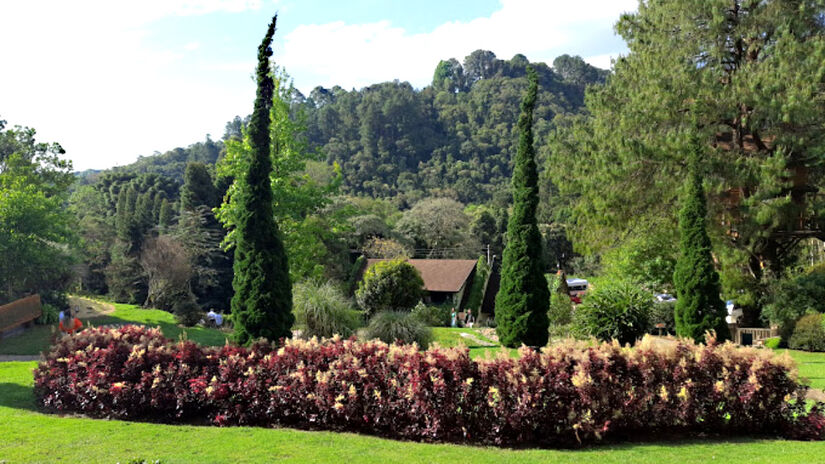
{"x":698,"y":307}
{"x":262,"y":304}
{"x":522,"y":301}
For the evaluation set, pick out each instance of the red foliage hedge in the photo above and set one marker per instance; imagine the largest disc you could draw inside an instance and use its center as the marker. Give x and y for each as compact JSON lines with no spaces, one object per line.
{"x":568,"y":394}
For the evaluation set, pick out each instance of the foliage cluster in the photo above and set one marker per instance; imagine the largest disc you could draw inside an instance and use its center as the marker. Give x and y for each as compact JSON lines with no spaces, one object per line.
{"x":322,"y":310}
{"x":432,"y":315}
{"x":619,"y":310}
{"x":793,"y":297}
{"x":399,"y":326}
{"x":808,"y":333}
{"x":568,"y":394}
{"x":476,"y":295}
{"x":389,"y":285}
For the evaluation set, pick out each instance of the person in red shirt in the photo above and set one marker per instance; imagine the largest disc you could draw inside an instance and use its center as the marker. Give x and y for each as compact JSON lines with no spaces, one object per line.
{"x":70,"y":324}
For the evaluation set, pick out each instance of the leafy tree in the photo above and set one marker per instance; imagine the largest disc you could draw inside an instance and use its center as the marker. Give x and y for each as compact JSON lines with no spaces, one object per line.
{"x":743,"y":77}
{"x":522,"y":301}
{"x":698,"y":306}
{"x":262,"y":304}
{"x":389,"y":285}
{"x":439,"y":228}
{"x":36,"y":232}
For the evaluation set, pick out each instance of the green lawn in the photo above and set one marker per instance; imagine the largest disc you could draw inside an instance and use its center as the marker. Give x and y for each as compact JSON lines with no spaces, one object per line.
{"x":30,"y":437}
{"x":448,"y":336}
{"x":37,"y":339}
{"x":811,"y":366}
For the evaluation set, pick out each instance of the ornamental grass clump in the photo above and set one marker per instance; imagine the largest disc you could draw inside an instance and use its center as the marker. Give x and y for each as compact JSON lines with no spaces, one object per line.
{"x":566,"y":395}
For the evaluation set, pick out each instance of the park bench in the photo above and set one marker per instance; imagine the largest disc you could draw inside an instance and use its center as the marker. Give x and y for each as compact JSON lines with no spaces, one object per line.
{"x":18,"y":314}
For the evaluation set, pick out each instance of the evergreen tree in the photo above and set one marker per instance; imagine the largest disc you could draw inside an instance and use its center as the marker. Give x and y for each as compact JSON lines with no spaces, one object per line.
{"x":522,"y":301}
{"x":198,"y":188}
{"x":262,"y":304}
{"x":698,"y":306}
{"x":165,"y":215}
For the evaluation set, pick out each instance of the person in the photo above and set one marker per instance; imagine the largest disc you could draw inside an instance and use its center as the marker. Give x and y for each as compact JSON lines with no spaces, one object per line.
{"x":468,"y":318}
{"x":453,"y":317}
{"x":216,"y":318}
{"x":70,"y":324}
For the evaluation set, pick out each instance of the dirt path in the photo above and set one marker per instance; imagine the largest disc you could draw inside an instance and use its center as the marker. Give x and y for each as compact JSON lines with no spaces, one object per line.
{"x":87,"y":308}
{"x":15,"y":357}
{"x":474,"y":339}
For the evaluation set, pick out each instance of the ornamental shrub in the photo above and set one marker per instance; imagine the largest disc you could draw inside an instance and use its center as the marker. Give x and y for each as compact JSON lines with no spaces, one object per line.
{"x":569,"y":394}
{"x":393,"y":326}
{"x":808,"y":334}
{"x":772,"y":343}
{"x":187,"y":312}
{"x":793,"y":297}
{"x":617,"y":310}
{"x":661,"y":312}
{"x":432,"y":316}
{"x":389,"y":285}
{"x":322,"y":310}
{"x":50,"y":315}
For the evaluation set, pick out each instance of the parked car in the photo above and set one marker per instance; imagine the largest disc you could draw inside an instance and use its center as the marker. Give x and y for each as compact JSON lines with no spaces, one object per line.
{"x":576,"y":288}
{"x":664,"y":297}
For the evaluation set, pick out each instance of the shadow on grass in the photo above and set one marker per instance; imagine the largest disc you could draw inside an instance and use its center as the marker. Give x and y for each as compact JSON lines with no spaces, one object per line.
{"x":16,"y":396}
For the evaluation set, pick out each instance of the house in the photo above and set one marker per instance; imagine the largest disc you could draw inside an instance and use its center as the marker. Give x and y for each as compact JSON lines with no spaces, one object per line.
{"x":445,"y":280}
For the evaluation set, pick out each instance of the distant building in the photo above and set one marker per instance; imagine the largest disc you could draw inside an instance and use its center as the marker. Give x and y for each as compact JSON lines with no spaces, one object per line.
{"x":445,"y":280}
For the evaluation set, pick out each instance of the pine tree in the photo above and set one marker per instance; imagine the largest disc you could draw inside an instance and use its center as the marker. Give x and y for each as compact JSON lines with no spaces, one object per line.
{"x":165,"y":215}
{"x":698,"y":306}
{"x":198,"y":189}
{"x":262,"y":304}
{"x":522,"y":301}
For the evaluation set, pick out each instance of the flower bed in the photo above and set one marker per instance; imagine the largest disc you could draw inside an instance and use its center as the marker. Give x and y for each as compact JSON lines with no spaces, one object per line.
{"x":569,"y":394}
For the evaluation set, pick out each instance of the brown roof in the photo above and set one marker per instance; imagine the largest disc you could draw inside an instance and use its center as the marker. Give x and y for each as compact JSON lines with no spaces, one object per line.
{"x":440,"y":275}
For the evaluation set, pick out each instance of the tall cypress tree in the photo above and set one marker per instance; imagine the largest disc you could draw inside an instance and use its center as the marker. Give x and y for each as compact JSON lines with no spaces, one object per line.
{"x":262,"y":304}
{"x":698,"y":307}
{"x":522,"y":301}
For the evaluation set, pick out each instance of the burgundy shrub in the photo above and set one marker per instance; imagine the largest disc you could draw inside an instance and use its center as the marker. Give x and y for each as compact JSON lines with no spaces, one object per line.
{"x":568,"y":394}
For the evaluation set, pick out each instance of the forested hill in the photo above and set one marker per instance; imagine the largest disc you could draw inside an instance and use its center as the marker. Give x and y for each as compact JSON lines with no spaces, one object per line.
{"x":455,"y":137}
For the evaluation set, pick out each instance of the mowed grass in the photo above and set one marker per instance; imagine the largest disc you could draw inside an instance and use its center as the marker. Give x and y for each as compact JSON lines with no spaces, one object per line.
{"x":811,"y":367}
{"x":449,"y":337}
{"x":36,"y":339}
{"x":29,"y":436}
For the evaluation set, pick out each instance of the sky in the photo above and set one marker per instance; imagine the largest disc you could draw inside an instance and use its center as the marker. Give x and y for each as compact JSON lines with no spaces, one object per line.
{"x":112,"y":80}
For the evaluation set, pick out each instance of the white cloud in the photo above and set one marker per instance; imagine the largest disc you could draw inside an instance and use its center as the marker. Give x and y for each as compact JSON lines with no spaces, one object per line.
{"x":81,"y":73}
{"x":602,"y":61}
{"x":356,"y":55}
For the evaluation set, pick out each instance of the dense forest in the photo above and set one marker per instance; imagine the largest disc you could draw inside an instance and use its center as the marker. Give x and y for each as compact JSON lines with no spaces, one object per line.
{"x":386,"y":170}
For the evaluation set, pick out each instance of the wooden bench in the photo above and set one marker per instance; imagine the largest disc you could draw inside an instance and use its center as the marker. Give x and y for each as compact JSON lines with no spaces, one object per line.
{"x":19,"y":313}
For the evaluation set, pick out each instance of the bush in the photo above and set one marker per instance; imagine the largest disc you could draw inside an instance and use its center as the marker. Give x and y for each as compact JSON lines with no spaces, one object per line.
{"x":392,"y":326}
{"x":568,"y":394}
{"x":772,"y":343}
{"x":618,"y":311}
{"x":432,"y":316}
{"x":322,"y":310}
{"x":389,"y":285}
{"x":187,"y":311}
{"x":793,"y":297}
{"x":560,"y":311}
{"x":662,"y":312}
{"x":808,"y":334}
{"x":50,"y":315}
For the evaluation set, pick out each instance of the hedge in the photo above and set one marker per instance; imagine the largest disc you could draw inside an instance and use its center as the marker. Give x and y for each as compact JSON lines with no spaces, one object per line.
{"x":569,"y":394}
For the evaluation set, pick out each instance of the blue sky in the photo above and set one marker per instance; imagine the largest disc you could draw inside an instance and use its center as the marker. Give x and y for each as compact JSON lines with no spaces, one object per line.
{"x":112,"y":80}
